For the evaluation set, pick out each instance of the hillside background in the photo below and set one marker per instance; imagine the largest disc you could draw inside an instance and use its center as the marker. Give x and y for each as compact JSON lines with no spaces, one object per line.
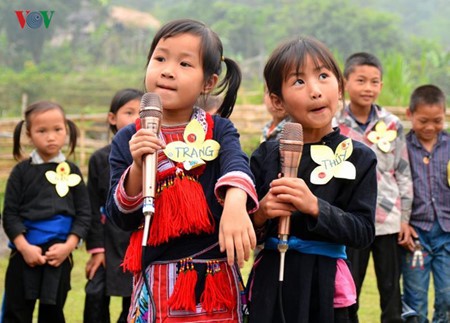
{"x":92,"y":48}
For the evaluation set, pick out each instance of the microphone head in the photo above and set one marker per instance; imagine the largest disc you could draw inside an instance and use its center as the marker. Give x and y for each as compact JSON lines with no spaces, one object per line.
{"x":150,"y":106}
{"x":291,"y":138}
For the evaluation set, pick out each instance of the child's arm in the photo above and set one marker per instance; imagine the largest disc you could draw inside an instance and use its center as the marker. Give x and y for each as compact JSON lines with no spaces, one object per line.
{"x":236,"y":230}
{"x":124,"y":201}
{"x":96,"y":185}
{"x":31,"y":254}
{"x":142,"y":143}
{"x":58,"y":252}
{"x":235,"y":189}
{"x":404,"y":183}
{"x":96,"y":260}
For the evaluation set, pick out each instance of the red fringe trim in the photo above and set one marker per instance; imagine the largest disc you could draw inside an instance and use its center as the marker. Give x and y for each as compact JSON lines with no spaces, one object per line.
{"x":183,"y":296}
{"x":181,"y":208}
{"x":217,"y":293}
{"x":133,"y":256}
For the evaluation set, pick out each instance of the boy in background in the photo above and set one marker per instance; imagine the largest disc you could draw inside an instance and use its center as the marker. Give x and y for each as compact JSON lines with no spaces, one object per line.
{"x":382,"y":131}
{"x":272,"y":129}
{"x":429,"y":247}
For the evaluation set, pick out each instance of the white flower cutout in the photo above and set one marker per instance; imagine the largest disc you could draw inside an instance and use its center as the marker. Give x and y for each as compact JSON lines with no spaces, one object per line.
{"x":62,"y":179}
{"x":195,"y":150}
{"x":382,"y":137}
{"x":332,"y":164}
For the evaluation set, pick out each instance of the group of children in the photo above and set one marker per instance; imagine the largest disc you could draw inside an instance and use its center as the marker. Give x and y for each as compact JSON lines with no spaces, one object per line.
{"x":356,"y":192}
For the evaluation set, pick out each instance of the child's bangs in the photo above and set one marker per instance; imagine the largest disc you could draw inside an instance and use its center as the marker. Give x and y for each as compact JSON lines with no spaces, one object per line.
{"x":295,"y":58}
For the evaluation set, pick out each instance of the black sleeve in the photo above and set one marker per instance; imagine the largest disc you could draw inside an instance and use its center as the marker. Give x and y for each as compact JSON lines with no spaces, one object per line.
{"x":12,"y":222}
{"x":97,"y":197}
{"x":264,"y":164}
{"x":82,"y":219}
{"x":120,"y":159}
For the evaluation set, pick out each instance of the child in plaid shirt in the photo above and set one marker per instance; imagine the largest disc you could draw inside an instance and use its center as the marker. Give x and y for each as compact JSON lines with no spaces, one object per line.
{"x":382,"y":131}
{"x":429,"y":153}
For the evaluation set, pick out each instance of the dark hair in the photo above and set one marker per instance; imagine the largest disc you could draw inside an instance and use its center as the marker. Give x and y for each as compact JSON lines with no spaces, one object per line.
{"x":292,"y":55}
{"x":121,"y":98}
{"x":39,"y":107}
{"x":212,"y":57}
{"x":359,"y":59}
{"x":426,"y":94}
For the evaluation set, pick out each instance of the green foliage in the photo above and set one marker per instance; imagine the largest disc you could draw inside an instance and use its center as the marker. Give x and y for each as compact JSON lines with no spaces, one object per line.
{"x":92,"y":57}
{"x":78,"y":92}
{"x":397,"y":81}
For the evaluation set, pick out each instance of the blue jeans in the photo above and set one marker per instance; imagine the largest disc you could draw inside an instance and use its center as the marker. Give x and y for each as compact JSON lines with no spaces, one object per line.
{"x":416,"y":280}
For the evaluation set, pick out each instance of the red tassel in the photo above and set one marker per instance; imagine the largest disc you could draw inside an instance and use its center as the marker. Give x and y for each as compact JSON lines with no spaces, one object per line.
{"x":208,"y":298}
{"x":217,"y":293}
{"x":183,"y":296}
{"x":181,"y":208}
{"x":225,"y":287}
{"x":133,"y":255}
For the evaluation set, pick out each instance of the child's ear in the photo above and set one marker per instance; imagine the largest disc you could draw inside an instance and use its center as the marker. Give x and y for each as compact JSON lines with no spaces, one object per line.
{"x":408,"y":114}
{"x":345,"y":85}
{"x":277,"y":103}
{"x":112,"y":120}
{"x":211,"y":83}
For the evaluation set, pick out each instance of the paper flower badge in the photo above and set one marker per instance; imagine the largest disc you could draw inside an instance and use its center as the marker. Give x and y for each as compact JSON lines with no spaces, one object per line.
{"x":382,"y":137}
{"x":62,"y":178}
{"x":194,"y":151}
{"x":332,"y":164}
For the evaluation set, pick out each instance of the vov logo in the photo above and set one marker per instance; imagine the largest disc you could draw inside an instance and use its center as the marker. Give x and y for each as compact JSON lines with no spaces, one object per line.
{"x":34,"y":19}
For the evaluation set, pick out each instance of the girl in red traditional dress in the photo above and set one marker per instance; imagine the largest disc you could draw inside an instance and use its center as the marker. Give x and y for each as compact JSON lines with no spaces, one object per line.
{"x":200,"y":230}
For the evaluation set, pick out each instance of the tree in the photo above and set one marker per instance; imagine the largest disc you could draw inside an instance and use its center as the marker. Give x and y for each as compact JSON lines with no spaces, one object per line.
{"x":24,"y":42}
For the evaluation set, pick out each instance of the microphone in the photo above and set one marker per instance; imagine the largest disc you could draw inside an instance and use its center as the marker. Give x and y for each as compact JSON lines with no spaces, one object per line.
{"x":291,"y":148}
{"x":150,"y":115}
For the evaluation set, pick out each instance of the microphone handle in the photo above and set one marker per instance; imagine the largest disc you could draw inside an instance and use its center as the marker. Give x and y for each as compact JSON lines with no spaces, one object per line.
{"x":149,"y":168}
{"x":289,"y":168}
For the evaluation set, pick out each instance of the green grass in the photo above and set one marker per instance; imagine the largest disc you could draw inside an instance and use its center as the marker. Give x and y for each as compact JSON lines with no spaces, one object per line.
{"x":369,"y":303}
{"x":73,"y":309}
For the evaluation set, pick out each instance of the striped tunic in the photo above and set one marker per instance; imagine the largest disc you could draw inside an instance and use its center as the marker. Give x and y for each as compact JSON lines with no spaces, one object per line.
{"x":430,"y":180}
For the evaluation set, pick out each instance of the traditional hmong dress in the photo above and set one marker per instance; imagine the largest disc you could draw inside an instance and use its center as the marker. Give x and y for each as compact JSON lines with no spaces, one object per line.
{"x":317,"y":253}
{"x":183,"y":264}
{"x":46,"y":202}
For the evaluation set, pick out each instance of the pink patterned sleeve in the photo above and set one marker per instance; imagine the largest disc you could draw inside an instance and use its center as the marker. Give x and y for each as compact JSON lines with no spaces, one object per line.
{"x":240,"y":180}
{"x":125,"y":203}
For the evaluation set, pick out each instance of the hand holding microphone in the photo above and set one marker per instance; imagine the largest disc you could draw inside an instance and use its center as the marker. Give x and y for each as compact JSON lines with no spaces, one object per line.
{"x":291,"y":148}
{"x":150,"y":115}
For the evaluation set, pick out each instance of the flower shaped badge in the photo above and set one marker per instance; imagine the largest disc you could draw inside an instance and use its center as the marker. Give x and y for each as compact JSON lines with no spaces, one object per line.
{"x":332,"y":164}
{"x":195,"y":150}
{"x":382,"y":137}
{"x":62,"y":178}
